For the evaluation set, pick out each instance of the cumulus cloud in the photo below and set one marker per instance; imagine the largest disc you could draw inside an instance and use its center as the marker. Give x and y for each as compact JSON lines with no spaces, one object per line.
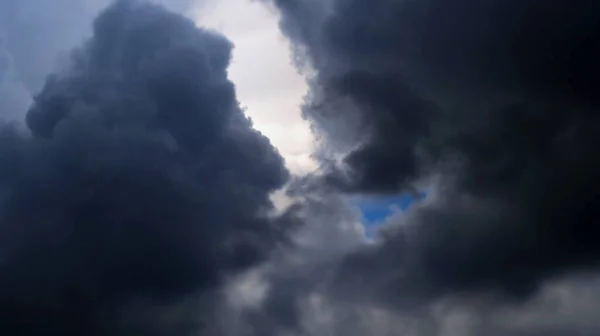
{"x":139,"y":201}
{"x":141,"y":186}
{"x":497,"y":102}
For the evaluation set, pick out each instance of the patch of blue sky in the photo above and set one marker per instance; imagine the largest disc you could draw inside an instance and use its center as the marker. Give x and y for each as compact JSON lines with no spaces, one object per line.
{"x":377,"y":209}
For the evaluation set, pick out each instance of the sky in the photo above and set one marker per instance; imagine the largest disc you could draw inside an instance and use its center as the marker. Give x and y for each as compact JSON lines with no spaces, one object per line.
{"x":267,"y":83}
{"x":157,"y":174}
{"x":272,"y":89}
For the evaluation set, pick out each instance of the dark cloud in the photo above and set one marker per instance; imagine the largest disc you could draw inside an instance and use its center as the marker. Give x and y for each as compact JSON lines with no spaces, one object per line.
{"x":419,"y":70}
{"x":142,"y":192}
{"x":296,"y":273}
{"x":498,"y":100}
{"x":141,"y":181}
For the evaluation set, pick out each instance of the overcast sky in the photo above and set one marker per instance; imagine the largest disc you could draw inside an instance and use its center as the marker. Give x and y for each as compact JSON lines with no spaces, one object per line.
{"x":139,"y":203}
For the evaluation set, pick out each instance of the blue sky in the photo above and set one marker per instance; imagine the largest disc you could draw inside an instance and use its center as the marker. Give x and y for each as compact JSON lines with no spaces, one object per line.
{"x":375,"y":210}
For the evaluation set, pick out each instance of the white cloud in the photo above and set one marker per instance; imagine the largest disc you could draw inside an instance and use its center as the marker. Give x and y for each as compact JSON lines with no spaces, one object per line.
{"x":267,"y":83}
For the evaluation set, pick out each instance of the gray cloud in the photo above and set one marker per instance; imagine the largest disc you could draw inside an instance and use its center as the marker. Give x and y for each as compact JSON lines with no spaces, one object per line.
{"x":14,"y":97}
{"x":141,"y":182}
{"x":142,"y":193}
{"x":497,"y":99}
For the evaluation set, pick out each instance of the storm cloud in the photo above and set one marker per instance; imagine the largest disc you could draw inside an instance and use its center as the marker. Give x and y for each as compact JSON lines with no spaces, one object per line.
{"x":141,"y":185}
{"x":138,"y":200}
{"x":490,"y":104}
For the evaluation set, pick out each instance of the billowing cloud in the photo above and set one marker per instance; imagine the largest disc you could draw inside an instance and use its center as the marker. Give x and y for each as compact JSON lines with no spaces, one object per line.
{"x":142,"y":193}
{"x":141,"y":186}
{"x":494,"y":101}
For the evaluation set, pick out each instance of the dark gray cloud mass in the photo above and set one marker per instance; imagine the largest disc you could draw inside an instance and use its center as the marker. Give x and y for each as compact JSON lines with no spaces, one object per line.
{"x":141,"y":181}
{"x":138,"y":202}
{"x":497,"y":101}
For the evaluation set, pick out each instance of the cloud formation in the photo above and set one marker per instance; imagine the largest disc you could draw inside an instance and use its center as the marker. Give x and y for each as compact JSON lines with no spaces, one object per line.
{"x":496,"y":103}
{"x":139,"y":202}
{"x":142,"y":184}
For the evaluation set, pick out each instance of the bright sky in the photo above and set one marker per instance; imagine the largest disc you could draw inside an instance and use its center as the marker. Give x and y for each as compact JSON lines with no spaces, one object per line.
{"x":267,"y":83}
{"x":269,"y":86}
